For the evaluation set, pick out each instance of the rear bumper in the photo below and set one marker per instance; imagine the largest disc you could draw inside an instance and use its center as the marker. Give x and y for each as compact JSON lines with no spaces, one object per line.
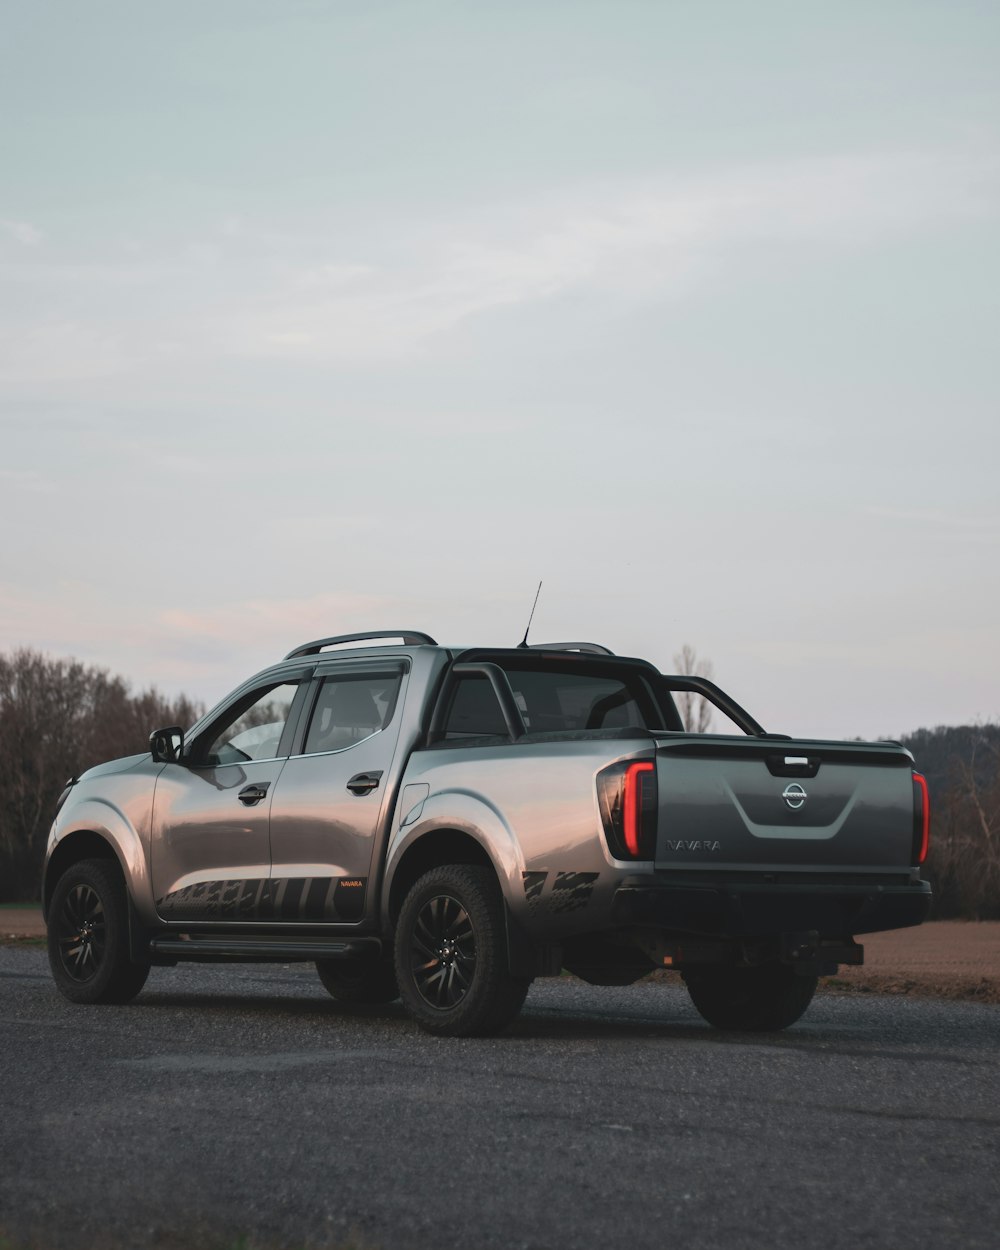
{"x":761,"y":910}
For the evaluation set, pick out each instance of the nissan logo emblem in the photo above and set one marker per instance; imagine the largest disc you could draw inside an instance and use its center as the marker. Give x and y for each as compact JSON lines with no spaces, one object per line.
{"x":794,"y":795}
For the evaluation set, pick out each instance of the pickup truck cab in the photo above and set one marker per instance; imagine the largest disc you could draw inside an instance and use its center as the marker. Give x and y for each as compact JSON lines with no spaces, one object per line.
{"x":444,"y":824}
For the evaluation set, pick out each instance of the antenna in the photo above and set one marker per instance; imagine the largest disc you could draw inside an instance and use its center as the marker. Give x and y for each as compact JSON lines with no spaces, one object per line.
{"x":524,"y":640}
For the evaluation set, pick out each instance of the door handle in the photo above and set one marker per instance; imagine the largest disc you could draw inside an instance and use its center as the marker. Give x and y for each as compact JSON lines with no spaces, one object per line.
{"x":253,"y":794}
{"x":364,"y":783}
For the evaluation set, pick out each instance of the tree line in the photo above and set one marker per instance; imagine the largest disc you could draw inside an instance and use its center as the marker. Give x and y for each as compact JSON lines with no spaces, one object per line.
{"x":962,"y":767}
{"x":59,"y":717}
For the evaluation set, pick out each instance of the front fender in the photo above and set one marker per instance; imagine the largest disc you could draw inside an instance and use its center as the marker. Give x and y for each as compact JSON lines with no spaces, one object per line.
{"x":105,"y":819}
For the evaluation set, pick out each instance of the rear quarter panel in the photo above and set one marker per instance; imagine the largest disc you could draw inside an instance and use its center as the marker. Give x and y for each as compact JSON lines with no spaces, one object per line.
{"x":533,"y":808}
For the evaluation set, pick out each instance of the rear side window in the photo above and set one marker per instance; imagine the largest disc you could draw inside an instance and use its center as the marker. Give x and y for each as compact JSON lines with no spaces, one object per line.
{"x":349,"y":708}
{"x":474,"y":711}
{"x":571,"y":701}
{"x":560,"y":701}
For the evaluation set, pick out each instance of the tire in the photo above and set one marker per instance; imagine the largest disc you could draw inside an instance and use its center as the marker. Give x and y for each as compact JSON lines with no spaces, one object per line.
{"x":361,"y":981}
{"x":88,"y":936}
{"x":761,"y":999}
{"x":451,"y":954}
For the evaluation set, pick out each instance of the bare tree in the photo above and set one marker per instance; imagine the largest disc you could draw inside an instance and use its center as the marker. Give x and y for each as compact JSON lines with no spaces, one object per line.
{"x":695,"y":711}
{"x":965,"y":841}
{"x":57,"y":718}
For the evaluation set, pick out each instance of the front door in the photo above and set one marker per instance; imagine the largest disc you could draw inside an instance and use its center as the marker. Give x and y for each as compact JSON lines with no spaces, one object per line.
{"x":329,"y":799}
{"x":210,"y":848}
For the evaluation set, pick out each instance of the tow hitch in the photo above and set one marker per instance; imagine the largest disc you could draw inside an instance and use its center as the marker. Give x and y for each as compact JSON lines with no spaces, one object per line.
{"x":811,"y":955}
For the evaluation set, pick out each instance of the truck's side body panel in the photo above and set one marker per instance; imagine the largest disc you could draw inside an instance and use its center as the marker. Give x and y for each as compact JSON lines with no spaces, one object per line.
{"x":533,"y":806}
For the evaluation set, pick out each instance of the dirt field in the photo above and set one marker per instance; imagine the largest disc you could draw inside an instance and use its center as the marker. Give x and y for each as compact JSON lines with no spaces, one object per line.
{"x":945,"y":959}
{"x":21,"y":922}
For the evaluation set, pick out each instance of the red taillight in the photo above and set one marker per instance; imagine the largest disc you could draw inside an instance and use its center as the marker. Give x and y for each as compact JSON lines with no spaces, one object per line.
{"x":628,"y":801}
{"x":921,"y":818}
{"x":634,"y":806}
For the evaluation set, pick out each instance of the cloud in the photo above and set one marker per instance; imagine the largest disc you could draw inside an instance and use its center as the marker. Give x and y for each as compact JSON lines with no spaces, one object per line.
{"x":649,"y":240}
{"x":272,"y":622}
{"x":369,"y":293}
{"x":961,"y":645}
{"x":26,"y":480}
{"x":950,"y":526}
{"x":203,"y":651}
{"x":21,"y":231}
{"x":60,"y":351}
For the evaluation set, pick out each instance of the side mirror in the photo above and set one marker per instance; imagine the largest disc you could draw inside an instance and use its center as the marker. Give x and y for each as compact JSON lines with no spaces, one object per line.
{"x":167,"y":744}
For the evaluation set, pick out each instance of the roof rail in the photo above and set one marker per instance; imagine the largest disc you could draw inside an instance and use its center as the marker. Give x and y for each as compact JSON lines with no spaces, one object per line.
{"x":590,"y":648}
{"x":410,"y":637}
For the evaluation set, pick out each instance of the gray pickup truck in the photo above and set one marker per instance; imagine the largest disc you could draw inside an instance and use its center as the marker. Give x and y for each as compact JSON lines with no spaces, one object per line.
{"x":444,"y":824}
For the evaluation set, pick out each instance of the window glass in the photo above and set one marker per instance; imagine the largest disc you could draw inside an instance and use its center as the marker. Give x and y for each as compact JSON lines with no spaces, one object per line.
{"x":254,"y":733}
{"x":553,"y":702}
{"x":568,"y":700}
{"x":350,"y":708}
{"x":474,"y":710}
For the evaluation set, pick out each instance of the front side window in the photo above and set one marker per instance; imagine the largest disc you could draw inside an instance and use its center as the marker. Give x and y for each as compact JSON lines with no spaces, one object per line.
{"x":254,"y":731}
{"x":349,"y":708}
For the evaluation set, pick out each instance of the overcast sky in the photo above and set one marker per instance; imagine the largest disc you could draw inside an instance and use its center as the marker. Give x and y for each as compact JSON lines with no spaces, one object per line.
{"x":324,"y":316}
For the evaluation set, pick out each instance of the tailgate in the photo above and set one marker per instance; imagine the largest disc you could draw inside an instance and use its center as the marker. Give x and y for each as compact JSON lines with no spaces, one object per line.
{"x":741,"y":803}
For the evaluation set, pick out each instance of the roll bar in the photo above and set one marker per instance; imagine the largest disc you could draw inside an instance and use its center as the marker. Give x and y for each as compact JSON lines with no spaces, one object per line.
{"x":710,"y":691}
{"x":497,"y":678}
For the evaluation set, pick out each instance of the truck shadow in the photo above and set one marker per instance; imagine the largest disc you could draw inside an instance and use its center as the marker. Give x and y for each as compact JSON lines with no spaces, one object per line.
{"x":860,"y":1032}
{"x":532,"y":1026}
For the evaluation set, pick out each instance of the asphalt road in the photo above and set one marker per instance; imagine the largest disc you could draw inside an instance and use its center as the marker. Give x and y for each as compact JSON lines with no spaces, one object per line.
{"x":243,"y":1102}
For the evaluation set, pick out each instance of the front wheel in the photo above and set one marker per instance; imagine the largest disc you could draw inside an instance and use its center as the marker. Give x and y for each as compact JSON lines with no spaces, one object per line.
{"x":88,"y":936}
{"x":451,"y":954}
{"x":761,"y":999}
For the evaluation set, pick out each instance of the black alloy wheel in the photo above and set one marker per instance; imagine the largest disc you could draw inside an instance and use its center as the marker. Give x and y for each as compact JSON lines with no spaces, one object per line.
{"x":443,"y":952}
{"x":81,"y":933}
{"x":451,"y":954}
{"x":88,"y":936}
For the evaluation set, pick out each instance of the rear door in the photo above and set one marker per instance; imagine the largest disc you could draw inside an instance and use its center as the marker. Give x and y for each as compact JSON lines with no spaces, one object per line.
{"x":740,"y":803}
{"x":334,"y":793}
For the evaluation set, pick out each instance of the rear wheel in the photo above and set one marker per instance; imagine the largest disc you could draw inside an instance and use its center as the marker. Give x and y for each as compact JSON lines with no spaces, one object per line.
{"x":761,"y":999}
{"x":88,"y":936}
{"x":451,"y":954}
{"x":359,"y":980}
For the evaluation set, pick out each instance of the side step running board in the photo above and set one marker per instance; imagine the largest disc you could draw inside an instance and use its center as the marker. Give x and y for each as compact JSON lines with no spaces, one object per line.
{"x":211,"y":948}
